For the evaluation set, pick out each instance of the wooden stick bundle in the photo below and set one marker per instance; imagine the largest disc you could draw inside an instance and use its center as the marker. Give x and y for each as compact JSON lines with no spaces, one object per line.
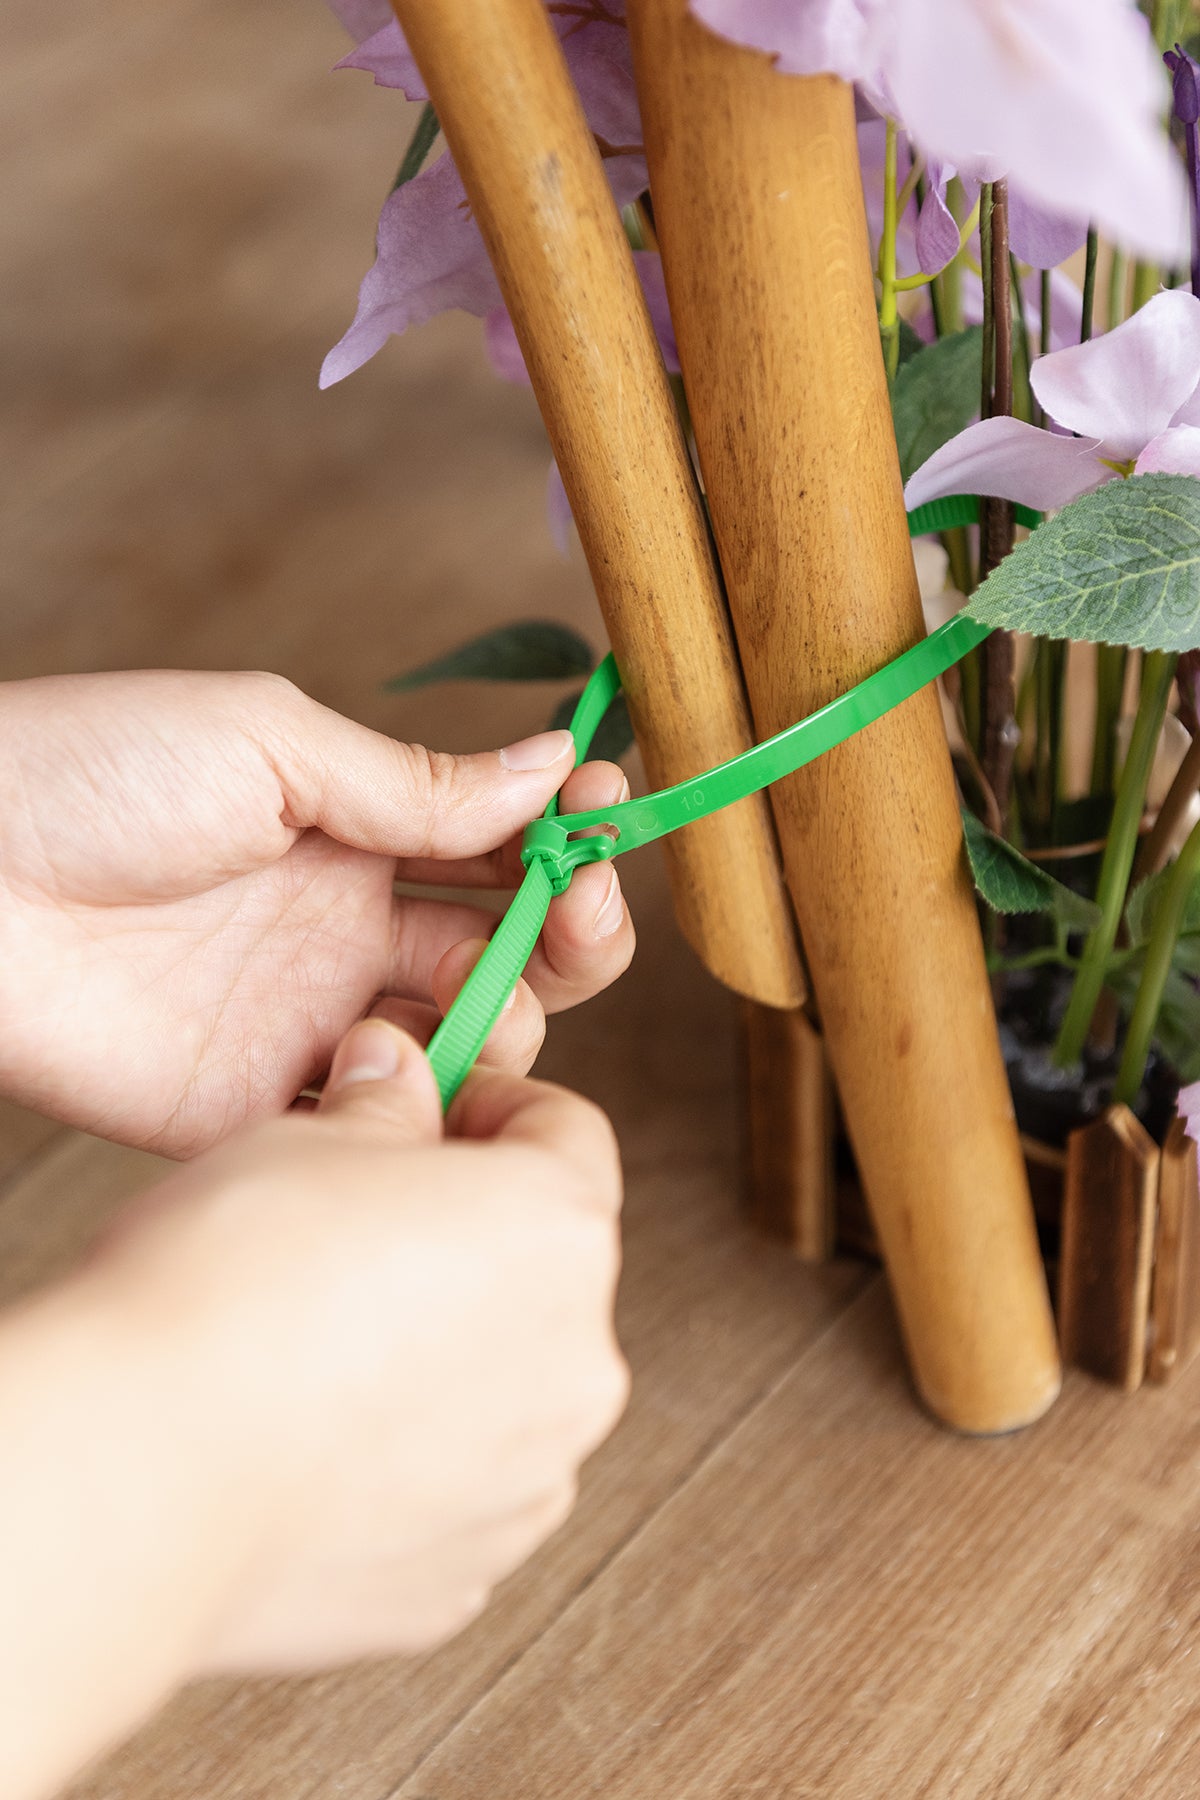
{"x":511,"y":117}
{"x":759,"y":212}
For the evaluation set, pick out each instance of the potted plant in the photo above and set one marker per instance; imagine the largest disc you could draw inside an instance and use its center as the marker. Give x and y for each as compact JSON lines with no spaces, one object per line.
{"x":1027,"y":172}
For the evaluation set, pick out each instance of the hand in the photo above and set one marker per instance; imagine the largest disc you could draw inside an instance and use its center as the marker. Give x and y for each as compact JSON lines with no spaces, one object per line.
{"x":310,"y":1400}
{"x":409,"y":1337}
{"x":196,"y":895}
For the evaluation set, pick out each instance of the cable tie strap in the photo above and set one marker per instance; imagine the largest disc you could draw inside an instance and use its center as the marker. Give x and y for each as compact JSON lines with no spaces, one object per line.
{"x":555,"y":845}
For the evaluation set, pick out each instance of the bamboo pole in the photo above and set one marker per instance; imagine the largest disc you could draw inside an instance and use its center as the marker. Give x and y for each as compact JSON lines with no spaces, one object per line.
{"x":791,"y":1175}
{"x":532,"y":172}
{"x":759,"y":211}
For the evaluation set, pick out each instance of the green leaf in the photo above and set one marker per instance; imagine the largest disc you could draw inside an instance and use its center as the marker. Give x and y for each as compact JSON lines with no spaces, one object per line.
{"x":936,"y":394}
{"x":1177,"y":1028}
{"x":531,"y":650}
{"x":1120,"y":566}
{"x":614,"y":734}
{"x":1186,"y":957}
{"x":910,"y":343}
{"x":1011,"y":884}
{"x":419,"y":146}
{"x":1141,"y":909}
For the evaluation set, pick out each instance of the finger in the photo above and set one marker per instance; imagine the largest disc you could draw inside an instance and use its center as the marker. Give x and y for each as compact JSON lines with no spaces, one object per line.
{"x":518,"y":1034}
{"x":495,"y":1550}
{"x":382,"y":1078}
{"x":592,"y":785}
{"x":515,"y":1039}
{"x":587,"y":941}
{"x":397,"y":799}
{"x":502,"y":1108}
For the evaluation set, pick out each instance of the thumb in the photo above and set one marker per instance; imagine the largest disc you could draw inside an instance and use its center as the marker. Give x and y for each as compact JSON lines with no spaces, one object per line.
{"x":398,"y":799}
{"x":382,"y":1077}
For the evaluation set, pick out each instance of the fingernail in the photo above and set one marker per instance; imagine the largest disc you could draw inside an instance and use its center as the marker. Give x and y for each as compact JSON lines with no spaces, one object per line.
{"x":540,"y":752}
{"x":612,"y":909}
{"x":371,"y":1052}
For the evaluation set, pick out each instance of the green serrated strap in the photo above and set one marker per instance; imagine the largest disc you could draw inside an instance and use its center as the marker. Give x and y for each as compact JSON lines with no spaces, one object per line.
{"x":455,"y":1045}
{"x":552,"y":850}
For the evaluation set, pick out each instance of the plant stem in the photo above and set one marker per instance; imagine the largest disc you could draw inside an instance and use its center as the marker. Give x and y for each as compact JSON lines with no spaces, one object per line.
{"x":420,"y":144}
{"x":1110,"y":689}
{"x":1159,"y":954}
{"x":1157,"y":676}
{"x":1146,"y":279}
{"x":999,"y":727}
{"x":1088,"y":306}
{"x":1116,"y":289}
{"x":889,"y":322}
{"x":1026,"y":408}
{"x":1049,"y":674}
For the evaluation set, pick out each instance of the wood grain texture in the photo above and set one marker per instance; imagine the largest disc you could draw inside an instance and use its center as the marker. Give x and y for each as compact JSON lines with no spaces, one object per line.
{"x":846,"y":1602}
{"x":790,"y":1107}
{"x":1110,"y":1196}
{"x":1175,"y":1289}
{"x":759,"y":212}
{"x":537,"y":189}
{"x":710,"y":1316}
{"x":837,"y":1602}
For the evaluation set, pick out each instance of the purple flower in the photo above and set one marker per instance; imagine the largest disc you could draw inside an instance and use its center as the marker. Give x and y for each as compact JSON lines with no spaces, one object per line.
{"x":430,"y":256}
{"x":1188,"y":1102}
{"x":1185,"y":90}
{"x":806,"y":37}
{"x":1185,"y":85}
{"x":1131,"y":396}
{"x":1062,"y":96}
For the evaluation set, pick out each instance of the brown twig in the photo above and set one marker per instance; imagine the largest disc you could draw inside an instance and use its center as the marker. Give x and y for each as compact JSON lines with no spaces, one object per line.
{"x":999,"y":735}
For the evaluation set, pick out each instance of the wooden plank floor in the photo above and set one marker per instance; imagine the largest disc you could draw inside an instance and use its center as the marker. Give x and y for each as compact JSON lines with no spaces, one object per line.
{"x":781,"y":1580}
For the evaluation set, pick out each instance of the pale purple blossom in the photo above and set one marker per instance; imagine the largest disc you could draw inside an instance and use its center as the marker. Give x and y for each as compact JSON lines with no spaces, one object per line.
{"x":1131,"y":397}
{"x":430,"y":256}
{"x":806,"y":37}
{"x":1188,"y":1102}
{"x":1062,"y":96}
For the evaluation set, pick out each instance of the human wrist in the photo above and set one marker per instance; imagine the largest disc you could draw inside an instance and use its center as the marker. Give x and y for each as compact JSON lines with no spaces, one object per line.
{"x":126,"y":1536}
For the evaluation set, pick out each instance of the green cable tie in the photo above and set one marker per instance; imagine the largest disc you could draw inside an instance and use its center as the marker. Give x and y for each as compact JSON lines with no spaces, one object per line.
{"x":552,"y":848}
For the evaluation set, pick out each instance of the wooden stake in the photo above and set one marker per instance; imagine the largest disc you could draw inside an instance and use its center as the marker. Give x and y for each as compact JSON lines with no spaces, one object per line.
{"x":792,"y":1189}
{"x":496,"y":75}
{"x":1175,"y":1298}
{"x":758,"y":206}
{"x":1107,"y":1239}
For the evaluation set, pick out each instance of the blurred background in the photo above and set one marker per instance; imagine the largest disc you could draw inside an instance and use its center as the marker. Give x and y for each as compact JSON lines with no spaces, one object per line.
{"x":191,"y":204}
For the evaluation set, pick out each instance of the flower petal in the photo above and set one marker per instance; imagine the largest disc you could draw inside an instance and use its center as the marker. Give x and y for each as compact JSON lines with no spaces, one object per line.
{"x":1174,"y":452}
{"x":558,"y":511}
{"x":1188,"y":1102}
{"x":806,"y":37}
{"x":1040,"y":238}
{"x":1067,"y":96}
{"x":504,"y":352}
{"x":1013,"y":460}
{"x":430,"y":258}
{"x":1125,"y":387}
{"x":362,"y":18}
{"x":386,"y":56}
{"x":938,"y":237}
